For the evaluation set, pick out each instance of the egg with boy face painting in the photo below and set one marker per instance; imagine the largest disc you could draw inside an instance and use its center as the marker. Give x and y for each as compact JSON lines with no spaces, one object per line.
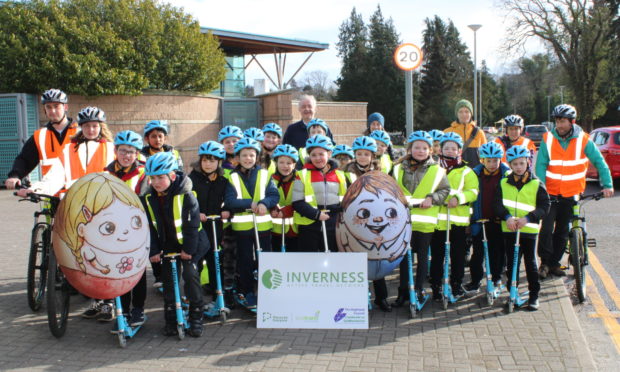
{"x":101,"y":236}
{"x":376,"y":220}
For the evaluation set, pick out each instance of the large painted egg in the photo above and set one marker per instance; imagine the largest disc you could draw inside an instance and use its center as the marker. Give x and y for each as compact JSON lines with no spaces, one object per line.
{"x":101,"y":236}
{"x":375,"y":219}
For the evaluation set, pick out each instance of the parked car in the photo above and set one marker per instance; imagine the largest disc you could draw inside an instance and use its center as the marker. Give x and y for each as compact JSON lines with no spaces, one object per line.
{"x":535,"y":132}
{"x":608,"y":141}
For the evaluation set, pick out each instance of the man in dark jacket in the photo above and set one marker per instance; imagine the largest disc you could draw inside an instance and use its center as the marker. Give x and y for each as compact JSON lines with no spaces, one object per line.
{"x":297,"y":133}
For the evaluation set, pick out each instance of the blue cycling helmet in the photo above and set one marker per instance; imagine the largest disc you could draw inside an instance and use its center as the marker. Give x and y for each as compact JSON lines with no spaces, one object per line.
{"x":129,"y":138}
{"x":286,"y":150}
{"x":453,"y":137}
{"x":436,"y":134}
{"x":380,"y":135}
{"x":229,"y":131}
{"x":156,"y":124}
{"x":516,"y":152}
{"x":273,"y":128}
{"x":564,"y":111}
{"x":420,"y":135}
{"x":321,"y":123}
{"x":212,"y":148}
{"x":247,"y":143}
{"x":91,"y":114}
{"x":161,"y":163}
{"x":513,"y":121}
{"x":255,"y":134}
{"x":343,"y":150}
{"x":364,"y":143}
{"x":491,"y":150}
{"x":319,"y":140}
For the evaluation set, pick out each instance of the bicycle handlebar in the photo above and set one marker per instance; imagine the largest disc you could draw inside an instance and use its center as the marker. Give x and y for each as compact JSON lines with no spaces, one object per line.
{"x":594,"y":196}
{"x":37,"y":198}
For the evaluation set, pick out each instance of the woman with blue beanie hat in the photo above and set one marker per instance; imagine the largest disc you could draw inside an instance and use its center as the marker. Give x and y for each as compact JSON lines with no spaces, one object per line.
{"x":376,"y":121}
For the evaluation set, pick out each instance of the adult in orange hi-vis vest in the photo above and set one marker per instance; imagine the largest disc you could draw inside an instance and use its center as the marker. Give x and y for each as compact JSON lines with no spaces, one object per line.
{"x":89,"y":151}
{"x":47,"y":142}
{"x":514,"y":126}
{"x":561,"y":165}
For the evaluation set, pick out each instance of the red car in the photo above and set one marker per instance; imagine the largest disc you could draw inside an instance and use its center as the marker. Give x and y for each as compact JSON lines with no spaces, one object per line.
{"x":608,"y":141}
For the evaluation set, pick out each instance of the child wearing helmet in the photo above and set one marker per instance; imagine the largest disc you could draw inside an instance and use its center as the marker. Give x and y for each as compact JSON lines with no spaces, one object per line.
{"x":209,"y":184}
{"x":384,"y":144}
{"x":175,"y":230}
{"x":285,"y":158}
{"x":156,"y":136}
{"x":514,"y":127}
{"x":229,"y":136}
{"x":343,"y":154}
{"x":250,"y":187}
{"x":490,"y":172}
{"x":315,"y":126}
{"x":425,"y":186}
{"x":364,"y":149}
{"x":463,"y":191}
{"x":317,"y":192}
{"x":273,"y":137}
{"x":521,"y":202}
{"x":436,"y":134}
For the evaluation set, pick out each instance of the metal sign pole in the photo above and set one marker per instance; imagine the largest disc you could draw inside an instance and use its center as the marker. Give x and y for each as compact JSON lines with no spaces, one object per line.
{"x":409,"y":101}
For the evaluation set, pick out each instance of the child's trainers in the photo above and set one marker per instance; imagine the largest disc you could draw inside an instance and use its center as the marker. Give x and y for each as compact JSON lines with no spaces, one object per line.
{"x":533,"y":304}
{"x":436,"y":293}
{"x":170,"y":329}
{"x":137,"y":317}
{"x":93,"y":310}
{"x":195,"y":322}
{"x":472,"y":288}
{"x":106,"y":314}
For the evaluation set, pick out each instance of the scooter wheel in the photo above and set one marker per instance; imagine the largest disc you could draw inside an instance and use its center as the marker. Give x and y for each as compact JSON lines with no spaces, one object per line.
{"x":413,"y":311}
{"x":223,"y":317}
{"x":490,"y":299}
{"x":445,"y":302}
{"x":511,"y":307}
{"x":180,"y":331}
{"x":122,"y":341}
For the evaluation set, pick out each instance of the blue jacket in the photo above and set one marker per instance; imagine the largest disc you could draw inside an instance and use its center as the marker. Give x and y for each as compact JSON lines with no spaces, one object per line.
{"x":297,"y":134}
{"x":476,"y":228}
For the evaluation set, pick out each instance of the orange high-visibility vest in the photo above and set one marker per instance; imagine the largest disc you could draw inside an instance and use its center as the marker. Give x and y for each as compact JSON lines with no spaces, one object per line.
{"x":566,"y":172}
{"x":522,"y":141}
{"x":78,"y":162}
{"x":49,"y":147}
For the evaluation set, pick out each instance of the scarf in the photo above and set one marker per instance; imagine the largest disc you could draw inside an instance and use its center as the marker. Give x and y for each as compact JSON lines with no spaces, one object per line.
{"x":448,"y":163}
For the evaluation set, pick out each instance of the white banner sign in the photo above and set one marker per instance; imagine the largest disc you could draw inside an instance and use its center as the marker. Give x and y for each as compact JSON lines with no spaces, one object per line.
{"x":312,"y":290}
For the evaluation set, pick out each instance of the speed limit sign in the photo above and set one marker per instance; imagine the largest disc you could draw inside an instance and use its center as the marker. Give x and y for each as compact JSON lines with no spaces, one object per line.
{"x":408,"y":56}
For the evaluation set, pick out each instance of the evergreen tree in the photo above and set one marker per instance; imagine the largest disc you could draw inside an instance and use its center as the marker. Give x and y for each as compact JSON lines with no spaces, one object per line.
{"x":352,"y":49}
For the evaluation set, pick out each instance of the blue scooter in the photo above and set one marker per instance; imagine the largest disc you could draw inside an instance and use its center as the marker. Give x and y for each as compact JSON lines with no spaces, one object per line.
{"x":415,"y":306}
{"x":123,"y":330}
{"x":447,"y":296}
{"x":217,"y":308}
{"x":255,"y":254}
{"x":493,"y":292}
{"x":516,"y":300}
{"x":181,"y":313}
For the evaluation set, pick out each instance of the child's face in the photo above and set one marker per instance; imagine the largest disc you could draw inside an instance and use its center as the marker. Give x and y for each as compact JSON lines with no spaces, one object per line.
{"x":436,"y":147}
{"x":513,"y":133}
{"x":229,"y":144}
{"x":420,"y":150}
{"x":464,"y":115}
{"x":126,"y":155}
{"x":247,"y":158}
{"x":162,"y":182}
{"x":491,"y":164}
{"x":285,"y":165}
{"x":381,"y":148}
{"x":316,"y":129}
{"x":375,"y":125}
{"x":156,"y":138}
{"x":319,"y":157}
{"x":209,"y":164}
{"x":343,"y":160}
{"x":363,"y":157}
{"x":519,"y":166}
{"x":91,"y":130}
{"x":451,"y":149}
{"x":271,"y":141}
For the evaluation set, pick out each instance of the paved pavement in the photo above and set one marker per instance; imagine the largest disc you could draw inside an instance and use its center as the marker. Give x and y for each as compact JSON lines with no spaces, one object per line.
{"x":467,"y":337}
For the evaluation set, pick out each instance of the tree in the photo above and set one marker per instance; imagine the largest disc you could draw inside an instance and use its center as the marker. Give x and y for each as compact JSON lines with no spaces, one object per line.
{"x":579,"y":34}
{"x":97,"y":47}
{"x":317,"y":83}
{"x":352,"y":49}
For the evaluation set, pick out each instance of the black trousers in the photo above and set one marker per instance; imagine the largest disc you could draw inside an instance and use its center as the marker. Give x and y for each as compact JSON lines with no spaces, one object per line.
{"x":156,"y":266}
{"x":191,"y":282}
{"x":554,"y":231}
{"x":526,"y":250}
{"x":497,"y":253}
{"x":380,"y":287}
{"x":246,"y":265}
{"x":136,"y":297}
{"x":228,"y":258}
{"x":457,"y":256}
{"x":420,"y":243}
{"x":289,"y":242}
{"x":311,"y":239}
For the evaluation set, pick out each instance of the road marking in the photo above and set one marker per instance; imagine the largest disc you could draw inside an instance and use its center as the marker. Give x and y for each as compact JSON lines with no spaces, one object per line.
{"x":608,"y":282}
{"x":609,"y":320}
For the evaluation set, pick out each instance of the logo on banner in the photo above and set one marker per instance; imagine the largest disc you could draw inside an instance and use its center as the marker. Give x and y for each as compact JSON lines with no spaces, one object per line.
{"x":272,"y":279}
{"x":274,"y":318}
{"x":339,"y":315}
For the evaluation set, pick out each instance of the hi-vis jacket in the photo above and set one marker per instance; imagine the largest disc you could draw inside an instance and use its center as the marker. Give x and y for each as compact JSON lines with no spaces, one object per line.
{"x":561,"y":163}
{"x":463,"y":187}
{"x":428,"y":179}
{"x":244,"y":188}
{"x":48,"y":145}
{"x":521,"y":141}
{"x":386,"y":163}
{"x":135,"y":178}
{"x":286,"y":207}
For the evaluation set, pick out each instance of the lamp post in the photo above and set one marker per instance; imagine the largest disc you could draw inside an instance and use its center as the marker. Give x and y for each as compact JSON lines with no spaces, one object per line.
{"x":548,"y":108}
{"x":475,"y":28}
{"x":562,"y":94}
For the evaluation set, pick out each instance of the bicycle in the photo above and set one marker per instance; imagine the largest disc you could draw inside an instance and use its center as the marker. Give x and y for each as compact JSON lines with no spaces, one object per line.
{"x":579,"y":243}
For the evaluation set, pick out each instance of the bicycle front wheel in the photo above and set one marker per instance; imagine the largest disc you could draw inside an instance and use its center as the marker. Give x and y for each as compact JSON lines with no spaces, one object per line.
{"x":37,"y":265}
{"x":57,"y":297}
{"x":577,"y":254}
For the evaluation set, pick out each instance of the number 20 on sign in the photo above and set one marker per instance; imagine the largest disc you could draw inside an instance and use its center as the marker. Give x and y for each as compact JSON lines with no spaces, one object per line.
{"x":408,"y":56}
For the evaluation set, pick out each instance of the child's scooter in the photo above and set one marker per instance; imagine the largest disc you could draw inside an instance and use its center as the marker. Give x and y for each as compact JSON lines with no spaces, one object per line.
{"x":181,"y":314}
{"x":255,"y":254}
{"x":283,"y":246}
{"x":515,"y":300}
{"x":123,"y":330}
{"x":447,"y":296}
{"x":324,"y":231}
{"x":493,"y":292}
{"x":415,"y":306}
{"x":217,"y":307}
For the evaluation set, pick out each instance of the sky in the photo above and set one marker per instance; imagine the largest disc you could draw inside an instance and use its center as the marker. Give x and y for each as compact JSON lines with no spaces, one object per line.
{"x":319,"y":20}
